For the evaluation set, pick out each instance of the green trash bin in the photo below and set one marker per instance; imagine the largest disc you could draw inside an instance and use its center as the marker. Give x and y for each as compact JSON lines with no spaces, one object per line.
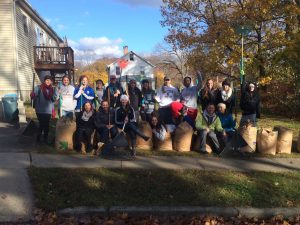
{"x":10,"y":107}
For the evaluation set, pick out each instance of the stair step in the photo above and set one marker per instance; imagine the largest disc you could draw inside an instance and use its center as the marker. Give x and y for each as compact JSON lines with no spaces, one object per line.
{"x":21,"y":111}
{"x":20,"y":104}
{"x":22,"y":119}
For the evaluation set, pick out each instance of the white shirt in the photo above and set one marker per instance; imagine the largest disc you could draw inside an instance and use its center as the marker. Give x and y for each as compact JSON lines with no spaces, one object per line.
{"x":66,"y":94}
{"x":166,"y":95}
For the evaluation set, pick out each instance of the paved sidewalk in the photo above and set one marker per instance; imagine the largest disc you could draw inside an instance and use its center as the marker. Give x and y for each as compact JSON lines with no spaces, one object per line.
{"x":169,"y":162}
{"x":11,"y":139}
{"x":16,"y":199}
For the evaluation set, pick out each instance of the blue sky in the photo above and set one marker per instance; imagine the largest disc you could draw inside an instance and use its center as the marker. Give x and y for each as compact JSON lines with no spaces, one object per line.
{"x":103,"y":27}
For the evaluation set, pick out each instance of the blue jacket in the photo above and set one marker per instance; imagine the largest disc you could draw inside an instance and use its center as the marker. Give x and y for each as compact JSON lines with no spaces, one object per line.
{"x":227,"y":122}
{"x":87,"y":96}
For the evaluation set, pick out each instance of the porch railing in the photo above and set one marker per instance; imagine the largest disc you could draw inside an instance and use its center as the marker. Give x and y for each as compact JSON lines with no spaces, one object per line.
{"x":53,"y":55}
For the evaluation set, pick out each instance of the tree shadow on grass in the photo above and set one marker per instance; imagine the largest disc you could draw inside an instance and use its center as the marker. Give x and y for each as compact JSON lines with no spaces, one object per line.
{"x":57,"y":189}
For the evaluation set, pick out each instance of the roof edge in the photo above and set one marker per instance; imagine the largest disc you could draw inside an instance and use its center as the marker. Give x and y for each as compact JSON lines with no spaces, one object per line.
{"x":134,"y":54}
{"x":30,"y":10}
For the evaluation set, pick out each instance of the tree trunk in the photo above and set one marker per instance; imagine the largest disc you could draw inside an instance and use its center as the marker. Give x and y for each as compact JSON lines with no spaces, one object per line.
{"x":260,"y":58}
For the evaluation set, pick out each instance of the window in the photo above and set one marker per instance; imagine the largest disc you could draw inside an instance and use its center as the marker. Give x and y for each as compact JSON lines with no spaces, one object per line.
{"x":131,"y":57}
{"x":118,"y":71}
{"x":25,"y":25}
{"x":37,"y":33}
{"x":42,"y":39}
{"x":142,"y":69}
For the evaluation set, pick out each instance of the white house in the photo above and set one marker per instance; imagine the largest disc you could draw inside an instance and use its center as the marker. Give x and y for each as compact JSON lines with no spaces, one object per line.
{"x":29,"y":47}
{"x":131,"y":66}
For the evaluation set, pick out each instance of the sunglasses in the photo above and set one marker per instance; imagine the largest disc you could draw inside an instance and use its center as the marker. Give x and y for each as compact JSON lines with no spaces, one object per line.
{"x":167,"y":79}
{"x":113,"y":78}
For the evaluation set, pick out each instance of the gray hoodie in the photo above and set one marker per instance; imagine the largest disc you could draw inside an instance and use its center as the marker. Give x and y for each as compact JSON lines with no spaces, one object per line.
{"x":43,"y":105}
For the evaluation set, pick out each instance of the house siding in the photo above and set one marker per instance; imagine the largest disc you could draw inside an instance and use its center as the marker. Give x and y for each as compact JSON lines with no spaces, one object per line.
{"x":8,"y":82}
{"x":25,"y":43}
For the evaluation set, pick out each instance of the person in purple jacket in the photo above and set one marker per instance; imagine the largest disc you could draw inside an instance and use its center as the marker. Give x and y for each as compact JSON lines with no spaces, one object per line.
{"x":83,"y":93}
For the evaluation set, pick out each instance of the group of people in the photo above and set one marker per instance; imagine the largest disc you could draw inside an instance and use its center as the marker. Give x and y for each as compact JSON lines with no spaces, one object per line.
{"x":111,"y":108}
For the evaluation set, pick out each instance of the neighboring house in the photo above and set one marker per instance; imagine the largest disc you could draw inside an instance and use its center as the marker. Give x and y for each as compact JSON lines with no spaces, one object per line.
{"x":131,"y":66}
{"x":29,"y":48}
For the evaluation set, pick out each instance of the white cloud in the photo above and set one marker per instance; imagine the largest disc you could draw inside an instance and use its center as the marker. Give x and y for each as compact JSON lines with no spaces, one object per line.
{"x":136,"y":3}
{"x":90,"y":49}
{"x":86,"y":13}
{"x":60,"y":27}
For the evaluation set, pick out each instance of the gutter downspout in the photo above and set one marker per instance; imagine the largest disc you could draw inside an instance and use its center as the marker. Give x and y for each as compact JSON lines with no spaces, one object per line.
{"x":16,"y":48}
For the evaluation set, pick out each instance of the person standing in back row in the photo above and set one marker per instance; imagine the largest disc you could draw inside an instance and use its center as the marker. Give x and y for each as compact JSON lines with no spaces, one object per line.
{"x":113,"y":92}
{"x":208,"y":94}
{"x":147,"y":100}
{"x":226,"y":96}
{"x":83,"y":93}
{"x":165,"y":96}
{"x":135,"y":97}
{"x":187,"y":106}
{"x":66,"y":98}
{"x":100,"y":89}
{"x":44,"y":96}
{"x":250,"y":103}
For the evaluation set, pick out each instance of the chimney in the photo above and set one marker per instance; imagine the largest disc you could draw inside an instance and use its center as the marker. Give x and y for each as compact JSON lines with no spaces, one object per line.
{"x":125,"y":49}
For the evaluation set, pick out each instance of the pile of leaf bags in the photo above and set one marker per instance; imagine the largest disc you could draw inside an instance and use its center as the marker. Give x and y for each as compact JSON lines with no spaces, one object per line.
{"x":267,"y":141}
{"x":183,"y":137}
{"x":284,"y":140}
{"x":65,"y":129}
{"x":145,"y":128}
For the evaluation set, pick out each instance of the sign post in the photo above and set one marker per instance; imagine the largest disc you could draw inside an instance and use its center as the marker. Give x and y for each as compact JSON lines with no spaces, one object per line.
{"x":243,"y":30}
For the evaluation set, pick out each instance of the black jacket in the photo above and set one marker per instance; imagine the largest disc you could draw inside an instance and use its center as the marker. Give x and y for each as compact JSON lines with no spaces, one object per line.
{"x":230,"y":102}
{"x":112,"y":89}
{"x":121,"y":113}
{"x":81,"y":124}
{"x":135,"y":97}
{"x":210,"y":97}
{"x":102,"y":118}
{"x":250,"y":102}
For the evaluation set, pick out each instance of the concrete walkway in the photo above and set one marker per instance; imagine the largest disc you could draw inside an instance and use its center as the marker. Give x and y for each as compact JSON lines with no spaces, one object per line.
{"x":168,"y":162}
{"x":16,"y":198}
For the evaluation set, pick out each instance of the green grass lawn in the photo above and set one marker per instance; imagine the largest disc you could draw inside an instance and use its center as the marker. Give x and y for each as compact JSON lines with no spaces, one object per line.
{"x":61,"y":188}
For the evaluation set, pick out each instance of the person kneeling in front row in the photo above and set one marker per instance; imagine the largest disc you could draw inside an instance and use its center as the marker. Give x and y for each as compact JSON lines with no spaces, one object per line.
{"x":208,"y":125}
{"x":125,"y":114}
{"x":158,"y":129}
{"x":84,"y":128}
{"x":105,"y":122}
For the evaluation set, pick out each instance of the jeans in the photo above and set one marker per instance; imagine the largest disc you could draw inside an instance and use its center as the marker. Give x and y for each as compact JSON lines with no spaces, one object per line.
{"x":68,"y":114}
{"x":132,"y":130}
{"x":246,"y":118}
{"x":104,"y":134}
{"x":83,"y":135}
{"x":44,"y":120}
{"x":204,"y":134}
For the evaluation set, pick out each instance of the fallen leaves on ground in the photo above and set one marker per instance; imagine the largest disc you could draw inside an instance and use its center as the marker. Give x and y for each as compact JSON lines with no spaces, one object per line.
{"x":42,"y":218}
